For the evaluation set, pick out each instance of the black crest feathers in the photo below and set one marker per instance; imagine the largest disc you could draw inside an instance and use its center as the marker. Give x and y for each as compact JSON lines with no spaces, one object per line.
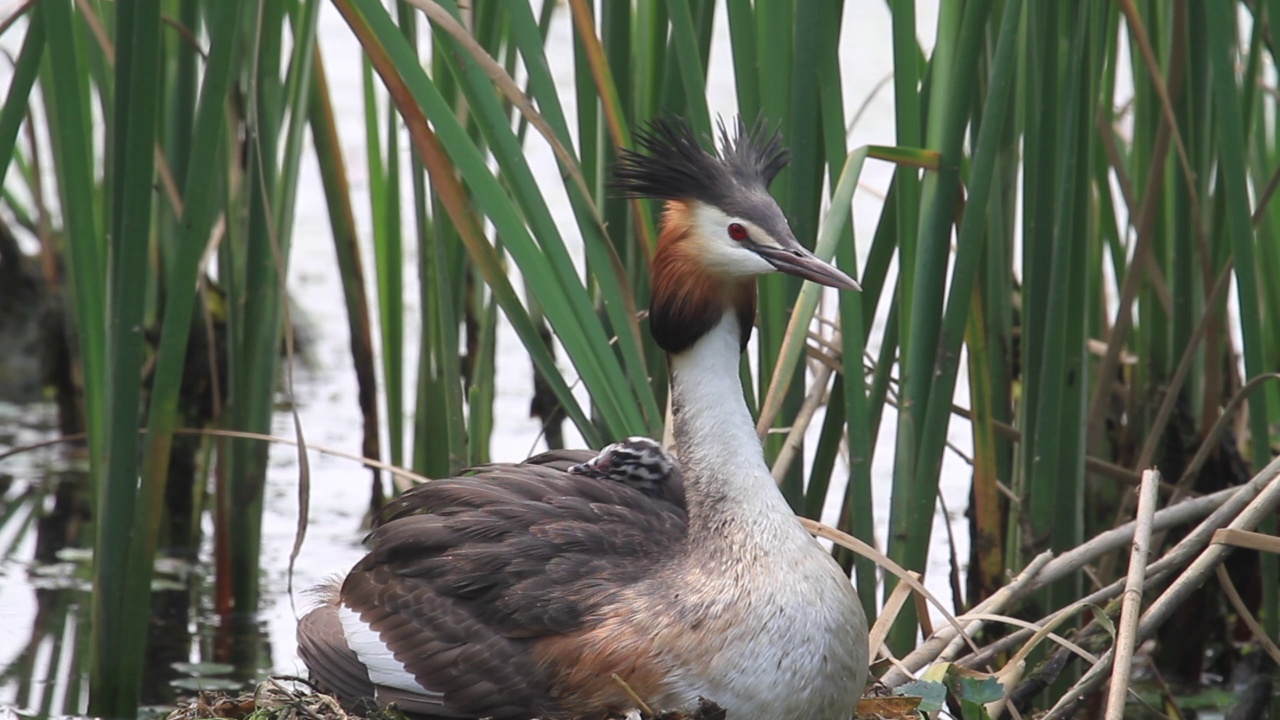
{"x":673,"y":165}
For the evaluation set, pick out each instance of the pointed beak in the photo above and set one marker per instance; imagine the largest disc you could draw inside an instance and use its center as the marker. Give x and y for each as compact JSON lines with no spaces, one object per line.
{"x":793,"y":259}
{"x":591,"y":469}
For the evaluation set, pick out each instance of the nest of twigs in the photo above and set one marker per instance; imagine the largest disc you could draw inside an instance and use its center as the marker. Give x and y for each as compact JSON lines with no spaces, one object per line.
{"x":287,"y":698}
{"x":276,"y":698}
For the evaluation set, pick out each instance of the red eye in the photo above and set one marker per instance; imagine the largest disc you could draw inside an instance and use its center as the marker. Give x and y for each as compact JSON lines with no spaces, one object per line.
{"x":737,"y":232}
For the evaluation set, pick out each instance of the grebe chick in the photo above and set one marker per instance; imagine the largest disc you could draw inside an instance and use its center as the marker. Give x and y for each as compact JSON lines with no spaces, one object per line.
{"x":523,"y":590}
{"x":640,"y":462}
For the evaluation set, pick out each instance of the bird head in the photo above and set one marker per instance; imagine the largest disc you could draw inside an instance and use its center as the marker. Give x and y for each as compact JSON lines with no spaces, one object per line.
{"x":720,"y":229}
{"x":634,"y":460}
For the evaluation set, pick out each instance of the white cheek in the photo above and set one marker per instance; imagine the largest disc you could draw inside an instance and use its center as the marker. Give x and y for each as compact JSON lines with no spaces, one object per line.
{"x":721,"y":254}
{"x":729,"y":259}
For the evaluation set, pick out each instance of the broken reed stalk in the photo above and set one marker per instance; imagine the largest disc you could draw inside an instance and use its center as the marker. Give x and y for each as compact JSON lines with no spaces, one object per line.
{"x":1158,"y":571}
{"x":1220,"y":506}
{"x":813,"y":401}
{"x":1262,"y":505}
{"x":1131,"y":605}
{"x":945,"y":643}
{"x":1223,"y":508}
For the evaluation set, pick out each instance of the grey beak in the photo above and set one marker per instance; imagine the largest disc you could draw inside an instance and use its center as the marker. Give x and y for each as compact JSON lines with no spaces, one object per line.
{"x":794,"y":259}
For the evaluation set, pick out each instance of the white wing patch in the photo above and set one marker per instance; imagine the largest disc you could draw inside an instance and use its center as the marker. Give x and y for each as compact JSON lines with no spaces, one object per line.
{"x":383,"y":667}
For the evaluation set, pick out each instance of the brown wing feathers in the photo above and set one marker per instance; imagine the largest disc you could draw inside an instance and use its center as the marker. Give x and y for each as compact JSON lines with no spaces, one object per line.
{"x":323,"y":647}
{"x":470,"y":669}
{"x":464,"y":575}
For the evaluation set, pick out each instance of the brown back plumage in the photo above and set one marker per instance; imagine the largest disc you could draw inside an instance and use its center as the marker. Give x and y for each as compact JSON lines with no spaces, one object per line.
{"x":492,"y":562}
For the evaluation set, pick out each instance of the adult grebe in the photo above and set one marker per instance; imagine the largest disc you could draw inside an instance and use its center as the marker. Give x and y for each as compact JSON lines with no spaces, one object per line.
{"x":520,"y":591}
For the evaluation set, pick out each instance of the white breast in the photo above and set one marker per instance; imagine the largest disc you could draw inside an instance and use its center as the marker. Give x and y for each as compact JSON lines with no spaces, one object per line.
{"x":784,"y":637}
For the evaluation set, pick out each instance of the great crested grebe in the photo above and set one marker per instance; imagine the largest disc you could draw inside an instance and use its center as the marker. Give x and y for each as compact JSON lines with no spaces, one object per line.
{"x":521,"y":591}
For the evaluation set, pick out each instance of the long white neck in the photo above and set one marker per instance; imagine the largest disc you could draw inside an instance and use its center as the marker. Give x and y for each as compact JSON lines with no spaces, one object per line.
{"x":727,"y":482}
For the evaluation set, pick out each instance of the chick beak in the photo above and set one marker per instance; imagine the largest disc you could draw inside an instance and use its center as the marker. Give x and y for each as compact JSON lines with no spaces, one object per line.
{"x":596,"y":468}
{"x":792,"y":258}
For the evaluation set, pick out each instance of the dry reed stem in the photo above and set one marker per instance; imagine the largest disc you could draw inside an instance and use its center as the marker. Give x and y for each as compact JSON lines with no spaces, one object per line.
{"x":795,"y":437}
{"x":1248,"y":540}
{"x":1236,"y":500}
{"x":946,"y":643}
{"x":1262,"y":505}
{"x":1264,"y":641}
{"x":1044,"y":633}
{"x":994,"y":604}
{"x":889,"y":614}
{"x":886,"y":563}
{"x":1131,"y":605}
{"x":1116,"y":538}
{"x":640,"y":703}
{"x":1045,"y":569}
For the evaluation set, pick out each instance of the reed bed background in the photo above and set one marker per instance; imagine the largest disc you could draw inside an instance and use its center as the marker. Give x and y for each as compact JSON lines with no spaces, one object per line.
{"x":1080,"y":221}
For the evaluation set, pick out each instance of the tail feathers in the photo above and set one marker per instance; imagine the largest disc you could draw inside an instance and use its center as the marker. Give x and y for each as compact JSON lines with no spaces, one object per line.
{"x":323,"y":647}
{"x":335,"y":667}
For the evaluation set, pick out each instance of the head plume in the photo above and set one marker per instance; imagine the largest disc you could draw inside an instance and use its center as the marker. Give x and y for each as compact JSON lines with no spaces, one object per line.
{"x":675,"y":166}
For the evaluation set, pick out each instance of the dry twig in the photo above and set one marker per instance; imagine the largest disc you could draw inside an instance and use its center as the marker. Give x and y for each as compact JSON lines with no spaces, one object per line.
{"x":1131,"y":605}
{"x":946,"y":643}
{"x":813,"y":401}
{"x":1157,"y":572}
{"x":1192,"y":578}
{"x":1044,"y":569}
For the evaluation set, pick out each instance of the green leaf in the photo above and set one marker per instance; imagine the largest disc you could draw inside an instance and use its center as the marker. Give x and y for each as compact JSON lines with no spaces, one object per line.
{"x":979,"y":690}
{"x":933,"y":695}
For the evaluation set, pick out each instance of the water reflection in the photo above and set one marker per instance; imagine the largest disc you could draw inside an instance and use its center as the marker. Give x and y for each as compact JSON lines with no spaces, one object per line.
{"x":45,"y":523}
{"x":46,"y":598}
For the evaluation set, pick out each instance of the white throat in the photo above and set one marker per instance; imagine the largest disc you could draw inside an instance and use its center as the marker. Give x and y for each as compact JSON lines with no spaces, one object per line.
{"x":790,"y":640}
{"x":726,"y":478}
